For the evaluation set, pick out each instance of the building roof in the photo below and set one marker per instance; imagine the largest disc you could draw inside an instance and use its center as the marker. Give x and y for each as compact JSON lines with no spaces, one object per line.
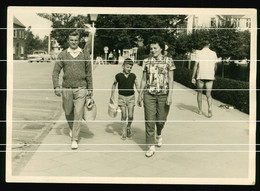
{"x":17,"y":22}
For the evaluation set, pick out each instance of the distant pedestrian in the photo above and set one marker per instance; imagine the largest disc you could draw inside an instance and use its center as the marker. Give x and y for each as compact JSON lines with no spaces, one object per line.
{"x":115,"y":56}
{"x":204,"y":70}
{"x":76,"y":85}
{"x":99,"y":60}
{"x":156,"y":89}
{"x":126,"y":98}
{"x":110,"y":57}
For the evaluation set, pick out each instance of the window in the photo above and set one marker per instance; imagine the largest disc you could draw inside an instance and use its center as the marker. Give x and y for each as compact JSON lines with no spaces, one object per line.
{"x":248,"y":23}
{"x":14,"y":49}
{"x":15,"y":33}
{"x":22,"y":50}
{"x":196,"y":21}
{"x":237,"y":22}
{"x":213,"y":22}
{"x":22,"y":33}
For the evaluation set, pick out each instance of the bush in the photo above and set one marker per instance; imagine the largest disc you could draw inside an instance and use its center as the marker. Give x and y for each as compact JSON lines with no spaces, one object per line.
{"x":234,"y":71}
{"x":237,"y":98}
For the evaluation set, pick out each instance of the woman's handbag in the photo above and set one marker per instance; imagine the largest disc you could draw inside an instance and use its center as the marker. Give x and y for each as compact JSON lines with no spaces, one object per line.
{"x":90,"y":109}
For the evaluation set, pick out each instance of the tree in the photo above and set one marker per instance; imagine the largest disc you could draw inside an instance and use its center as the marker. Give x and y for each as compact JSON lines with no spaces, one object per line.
{"x":63,"y":24}
{"x":225,"y":40}
{"x":125,"y":30}
{"x":116,"y":31}
{"x":34,"y":42}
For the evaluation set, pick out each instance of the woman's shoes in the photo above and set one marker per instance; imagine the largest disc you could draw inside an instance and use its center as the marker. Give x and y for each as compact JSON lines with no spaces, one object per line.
{"x":159,"y":141}
{"x":150,"y":152}
{"x":123,"y":137}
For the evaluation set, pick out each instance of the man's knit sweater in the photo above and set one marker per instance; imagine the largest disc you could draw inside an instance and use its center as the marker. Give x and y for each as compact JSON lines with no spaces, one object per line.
{"x":77,"y":71}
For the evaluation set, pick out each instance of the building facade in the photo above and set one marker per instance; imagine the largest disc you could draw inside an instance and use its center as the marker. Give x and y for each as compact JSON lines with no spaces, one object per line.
{"x":240,"y":22}
{"x":18,"y":40}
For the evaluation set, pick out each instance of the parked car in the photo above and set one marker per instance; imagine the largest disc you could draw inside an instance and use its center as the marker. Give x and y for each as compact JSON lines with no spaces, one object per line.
{"x":39,"y":56}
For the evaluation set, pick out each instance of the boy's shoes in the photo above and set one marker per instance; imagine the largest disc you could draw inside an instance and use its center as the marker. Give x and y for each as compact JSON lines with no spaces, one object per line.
{"x":159,"y":141}
{"x":150,"y":151}
{"x":70,"y":133}
{"x":123,"y":137}
{"x":129,"y":133}
{"x":74,"y":145}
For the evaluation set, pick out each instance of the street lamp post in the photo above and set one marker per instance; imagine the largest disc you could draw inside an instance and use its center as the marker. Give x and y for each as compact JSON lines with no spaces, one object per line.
{"x":93,"y":18}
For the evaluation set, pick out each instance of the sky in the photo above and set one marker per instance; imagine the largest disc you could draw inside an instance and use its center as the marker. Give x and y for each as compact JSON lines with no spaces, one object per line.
{"x":35,"y":21}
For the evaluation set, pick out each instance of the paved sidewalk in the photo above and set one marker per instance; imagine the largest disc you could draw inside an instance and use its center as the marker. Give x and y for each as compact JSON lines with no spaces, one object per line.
{"x":126,"y":158}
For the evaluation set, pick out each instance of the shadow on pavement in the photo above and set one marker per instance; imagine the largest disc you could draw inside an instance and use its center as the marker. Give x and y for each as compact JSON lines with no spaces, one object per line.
{"x":114,"y":128}
{"x":139,"y":137}
{"x":85,"y":132}
{"x":63,"y":129}
{"x":191,"y":108}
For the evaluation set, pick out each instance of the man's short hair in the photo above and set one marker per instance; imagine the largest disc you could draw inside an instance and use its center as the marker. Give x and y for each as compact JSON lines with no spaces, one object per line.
{"x":157,"y":40}
{"x":74,"y":33}
{"x":128,"y":61}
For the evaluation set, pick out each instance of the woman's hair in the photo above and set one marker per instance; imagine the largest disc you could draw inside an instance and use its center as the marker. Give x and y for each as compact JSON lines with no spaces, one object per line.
{"x":157,"y":40}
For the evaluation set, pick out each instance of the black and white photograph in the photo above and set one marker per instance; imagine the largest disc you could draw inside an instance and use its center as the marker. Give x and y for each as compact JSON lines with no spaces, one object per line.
{"x":187,"y":117}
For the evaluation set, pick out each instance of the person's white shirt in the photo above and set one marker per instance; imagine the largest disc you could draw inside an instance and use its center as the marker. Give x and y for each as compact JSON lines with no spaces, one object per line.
{"x":74,"y":52}
{"x":206,"y":59}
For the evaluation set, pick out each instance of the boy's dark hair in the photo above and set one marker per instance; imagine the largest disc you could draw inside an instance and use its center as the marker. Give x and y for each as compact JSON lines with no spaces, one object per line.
{"x":157,"y":40}
{"x":128,"y":61}
{"x":74,"y":33}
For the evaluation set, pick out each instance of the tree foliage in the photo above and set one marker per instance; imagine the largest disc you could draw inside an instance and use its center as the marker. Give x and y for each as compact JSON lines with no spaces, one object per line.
{"x":33,"y":42}
{"x":63,"y":24}
{"x":125,"y":30}
{"x":115,"y":31}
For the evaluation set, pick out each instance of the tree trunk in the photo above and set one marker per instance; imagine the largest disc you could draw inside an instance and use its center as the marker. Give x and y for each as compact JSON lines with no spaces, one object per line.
{"x":222,"y":74}
{"x":189,"y":63}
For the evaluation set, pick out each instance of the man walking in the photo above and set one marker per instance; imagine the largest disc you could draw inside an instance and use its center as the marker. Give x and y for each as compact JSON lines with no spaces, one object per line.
{"x":156,"y":89}
{"x":205,"y":67}
{"x":76,"y":85}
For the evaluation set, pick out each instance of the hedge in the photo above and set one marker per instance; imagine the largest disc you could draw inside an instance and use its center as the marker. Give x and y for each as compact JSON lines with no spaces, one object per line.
{"x":239,"y":99}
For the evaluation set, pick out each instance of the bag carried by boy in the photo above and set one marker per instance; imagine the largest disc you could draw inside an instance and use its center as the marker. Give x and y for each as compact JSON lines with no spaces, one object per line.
{"x":112,"y":110}
{"x":90,"y":109}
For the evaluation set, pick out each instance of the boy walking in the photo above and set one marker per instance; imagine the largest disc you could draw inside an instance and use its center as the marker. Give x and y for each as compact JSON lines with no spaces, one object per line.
{"x":126,"y":98}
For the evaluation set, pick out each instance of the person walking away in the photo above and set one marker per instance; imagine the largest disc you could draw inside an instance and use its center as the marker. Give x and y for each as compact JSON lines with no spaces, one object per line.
{"x":205,"y":68}
{"x":110,"y":57}
{"x":76,"y":84}
{"x":126,"y":98}
{"x":156,"y":91}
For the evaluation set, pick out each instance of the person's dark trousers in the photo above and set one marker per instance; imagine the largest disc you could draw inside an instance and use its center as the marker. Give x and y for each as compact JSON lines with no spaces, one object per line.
{"x":156,"y":112}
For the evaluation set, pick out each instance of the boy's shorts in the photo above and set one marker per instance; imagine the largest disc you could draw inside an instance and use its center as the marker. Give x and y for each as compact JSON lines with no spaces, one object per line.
{"x":125,"y":101}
